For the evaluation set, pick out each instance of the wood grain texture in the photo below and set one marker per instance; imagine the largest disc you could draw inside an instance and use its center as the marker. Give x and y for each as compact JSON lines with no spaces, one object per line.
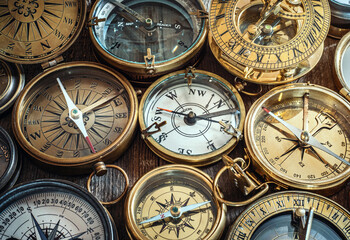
{"x":139,"y":159}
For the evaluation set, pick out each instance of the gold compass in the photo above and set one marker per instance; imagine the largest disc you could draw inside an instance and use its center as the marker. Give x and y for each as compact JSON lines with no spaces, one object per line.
{"x":34,"y":31}
{"x":292,"y":215}
{"x":297,"y":137}
{"x":268,"y":41}
{"x":298,"y":134}
{"x":191,"y":117}
{"x":75,"y":115}
{"x":148,"y":38}
{"x":174,"y":202}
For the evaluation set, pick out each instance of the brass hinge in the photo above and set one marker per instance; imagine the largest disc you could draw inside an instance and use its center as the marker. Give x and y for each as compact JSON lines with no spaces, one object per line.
{"x":200,"y":14}
{"x":189,"y":75}
{"x":52,"y":63}
{"x":94,"y":21}
{"x":150,"y":60}
{"x":145,"y":133}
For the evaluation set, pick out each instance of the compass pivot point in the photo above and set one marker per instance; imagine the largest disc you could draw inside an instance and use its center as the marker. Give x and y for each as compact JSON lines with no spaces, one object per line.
{"x":175,"y":212}
{"x":305,"y":137}
{"x":75,"y":113}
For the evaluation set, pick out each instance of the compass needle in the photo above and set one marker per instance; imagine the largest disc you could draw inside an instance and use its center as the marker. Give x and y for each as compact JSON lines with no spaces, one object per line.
{"x":55,"y":210}
{"x":298,"y":216}
{"x":305,"y":137}
{"x":148,"y":38}
{"x":81,"y":118}
{"x":76,"y":115}
{"x":294,"y":134}
{"x":174,"y":196}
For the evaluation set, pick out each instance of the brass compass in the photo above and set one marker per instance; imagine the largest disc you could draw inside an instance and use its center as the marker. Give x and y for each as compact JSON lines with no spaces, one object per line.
{"x":75,"y":115}
{"x":34,"y":31}
{"x":268,"y":42}
{"x":292,"y":215}
{"x":191,"y":117}
{"x":147,"y":38}
{"x":174,"y":202}
{"x":53,"y":209}
{"x":310,"y":126}
{"x":297,"y":136}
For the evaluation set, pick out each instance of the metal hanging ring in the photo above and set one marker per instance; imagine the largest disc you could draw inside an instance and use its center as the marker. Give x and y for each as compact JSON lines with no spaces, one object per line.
{"x":123,"y":193}
{"x":262,"y":190}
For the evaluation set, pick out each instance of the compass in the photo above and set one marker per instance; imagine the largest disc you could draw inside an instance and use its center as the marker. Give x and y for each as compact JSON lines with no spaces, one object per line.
{"x":53,"y":209}
{"x":147,"y":38}
{"x":174,"y":202}
{"x":10,"y":164}
{"x":75,"y":115}
{"x":191,"y":117}
{"x":298,"y":135}
{"x":35,"y":31}
{"x":292,"y":215}
{"x":341,"y":61}
{"x":268,"y":42}
{"x":340,"y":21}
{"x":11,"y":84}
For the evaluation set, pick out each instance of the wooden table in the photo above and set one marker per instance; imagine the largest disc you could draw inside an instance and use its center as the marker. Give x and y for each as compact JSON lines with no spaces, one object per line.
{"x":139,"y":159}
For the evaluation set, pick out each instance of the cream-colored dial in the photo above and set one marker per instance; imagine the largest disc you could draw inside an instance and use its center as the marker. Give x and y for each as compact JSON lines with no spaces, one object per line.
{"x":319,"y":155}
{"x":275,"y":217}
{"x":174,"y":202}
{"x":193,"y":224}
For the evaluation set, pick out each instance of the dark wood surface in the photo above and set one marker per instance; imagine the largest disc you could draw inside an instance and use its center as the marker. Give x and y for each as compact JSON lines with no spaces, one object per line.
{"x":139,"y":159}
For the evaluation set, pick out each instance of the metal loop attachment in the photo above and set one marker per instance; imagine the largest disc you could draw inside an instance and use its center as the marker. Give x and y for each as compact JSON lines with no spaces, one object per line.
{"x":190,"y":74}
{"x":145,"y":133}
{"x":150,"y":62}
{"x":240,"y":85}
{"x":243,"y":180}
{"x":121,"y":195}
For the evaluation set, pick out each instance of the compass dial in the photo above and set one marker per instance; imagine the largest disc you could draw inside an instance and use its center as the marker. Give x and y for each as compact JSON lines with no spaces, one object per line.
{"x":203,"y":119}
{"x":273,"y":217}
{"x":53,"y":210}
{"x":272,"y":36}
{"x":164,"y":32}
{"x":177,"y":187}
{"x":33,"y":31}
{"x":47,"y":130}
{"x":319,"y":156}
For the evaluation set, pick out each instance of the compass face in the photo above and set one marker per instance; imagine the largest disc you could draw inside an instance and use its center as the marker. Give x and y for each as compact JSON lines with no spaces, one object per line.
{"x":108,"y":113}
{"x":173,"y":30}
{"x":280,"y":36}
{"x":299,"y":163}
{"x":52,"y":211}
{"x":33,"y":31}
{"x":168,"y":189}
{"x":203,"y":120}
{"x":272,"y":218}
{"x":176,"y":193}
